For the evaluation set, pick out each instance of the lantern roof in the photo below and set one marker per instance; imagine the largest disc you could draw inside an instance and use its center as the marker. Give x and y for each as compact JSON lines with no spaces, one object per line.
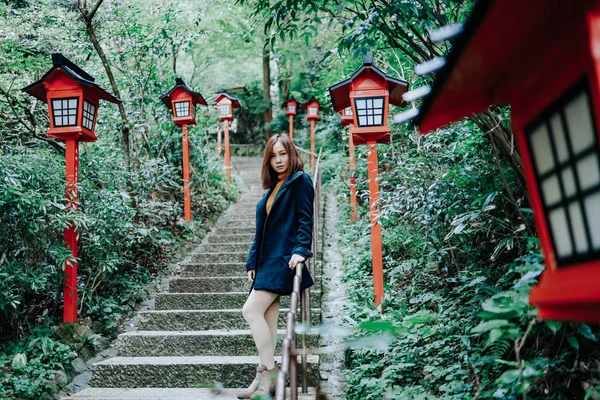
{"x":498,"y":39}
{"x":196,"y":96}
{"x":312,"y":99}
{"x":63,"y":64}
{"x":235,"y":103}
{"x":285,"y":103}
{"x":340,"y":92}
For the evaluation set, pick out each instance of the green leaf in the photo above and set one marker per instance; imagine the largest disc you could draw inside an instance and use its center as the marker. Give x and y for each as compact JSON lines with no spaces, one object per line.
{"x":573,"y":342}
{"x":489,"y":325}
{"x":587,"y":333}
{"x":554,"y":326}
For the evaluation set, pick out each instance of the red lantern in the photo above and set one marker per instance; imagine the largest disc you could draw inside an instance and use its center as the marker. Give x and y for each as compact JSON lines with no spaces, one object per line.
{"x":183,"y":101}
{"x":312,"y":115}
{"x":73,"y":99}
{"x":291,"y":109}
{"x":555,"y":113}
{"x":225,"y":105}
{"x":369,"y":92}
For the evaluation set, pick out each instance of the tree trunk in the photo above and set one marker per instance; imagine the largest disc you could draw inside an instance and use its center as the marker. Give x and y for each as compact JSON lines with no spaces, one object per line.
{"x":88,"y":17}
{"x":268,"y":113}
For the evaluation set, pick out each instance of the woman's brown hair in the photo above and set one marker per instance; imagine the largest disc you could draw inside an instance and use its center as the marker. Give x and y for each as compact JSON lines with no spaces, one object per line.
{"x":268,"y":174}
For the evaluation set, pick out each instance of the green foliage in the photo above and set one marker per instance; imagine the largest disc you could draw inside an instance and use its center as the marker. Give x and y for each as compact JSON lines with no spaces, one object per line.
{"x":29,"y":368}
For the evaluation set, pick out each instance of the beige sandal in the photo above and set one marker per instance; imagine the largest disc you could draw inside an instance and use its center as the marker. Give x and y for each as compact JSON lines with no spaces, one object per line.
{"x":254,"y":385}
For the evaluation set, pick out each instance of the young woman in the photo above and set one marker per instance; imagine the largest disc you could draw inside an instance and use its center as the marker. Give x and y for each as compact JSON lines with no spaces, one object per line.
{"x":284,"y":223}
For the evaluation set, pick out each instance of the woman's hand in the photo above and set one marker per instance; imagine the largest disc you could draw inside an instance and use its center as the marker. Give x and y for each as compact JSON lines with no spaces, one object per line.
{"x":251,"y":275}
{"x":296,"y":258}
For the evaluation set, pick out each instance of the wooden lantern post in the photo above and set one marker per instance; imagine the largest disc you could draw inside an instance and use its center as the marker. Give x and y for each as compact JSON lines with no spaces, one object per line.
{"x":73,"y":99}
{"x":183,"y":101}
{"x":312,"y":115}
{"x":554,"y":113}
{"x":226,"y":104}
{"x":291,"y":109}
{"x":369,"y":92}
{"x":348,"y":121}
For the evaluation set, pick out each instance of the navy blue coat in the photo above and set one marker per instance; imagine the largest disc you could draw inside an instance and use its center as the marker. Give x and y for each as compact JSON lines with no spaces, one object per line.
{"x":285,"y":231}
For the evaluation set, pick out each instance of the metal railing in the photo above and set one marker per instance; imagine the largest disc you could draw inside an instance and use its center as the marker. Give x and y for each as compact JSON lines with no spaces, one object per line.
{"x":289,"y":348}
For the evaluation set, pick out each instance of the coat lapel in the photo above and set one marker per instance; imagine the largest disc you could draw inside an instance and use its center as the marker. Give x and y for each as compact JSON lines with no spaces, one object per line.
{"x":283,"y":188}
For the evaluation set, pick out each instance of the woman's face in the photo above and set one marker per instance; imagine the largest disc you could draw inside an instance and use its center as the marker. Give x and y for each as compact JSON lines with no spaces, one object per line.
{"x":280,"y":159}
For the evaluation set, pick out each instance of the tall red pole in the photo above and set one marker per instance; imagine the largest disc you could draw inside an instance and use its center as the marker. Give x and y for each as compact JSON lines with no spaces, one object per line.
{"x":291,"y":124}
{"x":375,"y":225}
{"x":352,"y":174}
{"x":70,"y":274}
{"x":187,"y":196}
{"x":218,"y":144}
{"x":227,"y":154}
{"x":312,"y":144}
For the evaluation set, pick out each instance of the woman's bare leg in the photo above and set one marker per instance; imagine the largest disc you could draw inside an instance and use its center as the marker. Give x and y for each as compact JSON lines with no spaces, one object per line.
{"x":254,"y":313}
{"x":271,"y":316}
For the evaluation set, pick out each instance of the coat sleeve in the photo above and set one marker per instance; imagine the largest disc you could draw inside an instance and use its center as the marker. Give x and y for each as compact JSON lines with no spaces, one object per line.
{"x":305,"y":195}
{"x":251,"y":261}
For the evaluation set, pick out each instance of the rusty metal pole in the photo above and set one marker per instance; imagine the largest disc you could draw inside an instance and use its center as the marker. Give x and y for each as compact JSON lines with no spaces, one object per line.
{"x":352,"y":174}
{"x":376,"y":246}
{"x":187,"y":196}
{"x":227,"y":151}
{"x":312,"y":144}
{"x":72,"y":196}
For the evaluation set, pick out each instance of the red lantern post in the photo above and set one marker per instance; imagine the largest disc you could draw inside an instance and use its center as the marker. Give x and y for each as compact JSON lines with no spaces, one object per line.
{"x":369,"y":92}
{"x":73,"y":99}
{"x":312,"y":115}
{"x":555,"y":113}
{"x":226,"y":104}
{"x":291,"y":109}
{"x":183,"y":101}
{"x":348,"y":121}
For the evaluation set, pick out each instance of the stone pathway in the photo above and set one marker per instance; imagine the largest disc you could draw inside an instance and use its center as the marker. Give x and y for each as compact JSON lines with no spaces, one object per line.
{"x":333,"y":301}
{"x":195,"y":343}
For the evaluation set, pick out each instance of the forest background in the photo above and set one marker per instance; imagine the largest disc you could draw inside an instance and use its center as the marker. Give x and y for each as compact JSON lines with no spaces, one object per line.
{"x":460,"y":251}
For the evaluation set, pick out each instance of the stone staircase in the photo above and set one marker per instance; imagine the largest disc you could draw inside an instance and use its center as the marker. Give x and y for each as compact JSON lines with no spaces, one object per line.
{"x":195,"y":343}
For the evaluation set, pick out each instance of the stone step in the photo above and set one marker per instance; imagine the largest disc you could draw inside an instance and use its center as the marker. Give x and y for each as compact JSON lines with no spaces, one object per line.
{"x":244,"y":238}
{"x":171,"y":394}
{"x":198,"y":343}
{"x":215,"y":301}
{"x":247,"y":223}
{"x":225,"y":247}
{"x":203,"y":283}
{"x":214,"y":269}
{"x":181,"y":372}
{"x":202,"y":257}
{"x":234,"y":230}
{"x":210,"y":284}
{"x":203,"y":320}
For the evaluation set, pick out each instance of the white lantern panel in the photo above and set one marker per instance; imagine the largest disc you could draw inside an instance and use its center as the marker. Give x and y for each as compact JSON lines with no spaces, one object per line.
{"x":361,"y":104}
{"x":348,"y":111}
{"x":568,"y":181}
{"x":592,"y":211}
{"x":224,"y":110}
{"x":560,"y":233}
{"x":64,"y":111}
{"x":370,"y":111}
{"x":378,"y":103}
{"x":588,"y":171}
{"x":377,"y":120}
{"x":558,"y":134}
{"x":292,"y":109}
{"x":182,"y":109}
{"x":362,"y":121}
{"x":576,"y":217}
{"x":89,"y":112}
{"x":579,"y":123}
{"x":551,"y":191}
{"x":542,"y":152}
{"x":312,"y":111}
